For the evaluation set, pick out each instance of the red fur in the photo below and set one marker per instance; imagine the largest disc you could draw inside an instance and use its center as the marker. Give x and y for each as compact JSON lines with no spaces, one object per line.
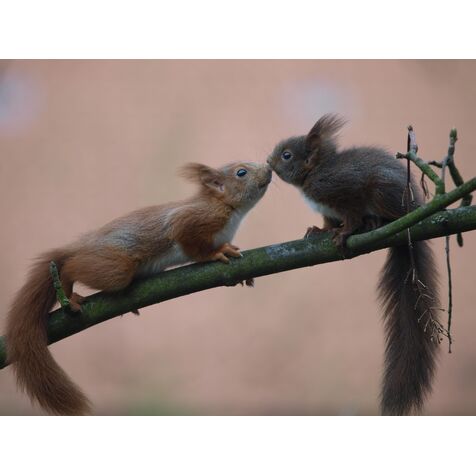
{"x":36,"y":371}
{"x":109,"y":258}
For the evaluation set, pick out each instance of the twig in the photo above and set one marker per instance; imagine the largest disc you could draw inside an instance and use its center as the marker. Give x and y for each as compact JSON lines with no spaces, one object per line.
{"x":449,"y":158}
{"x":412,"y":149}
{"x":424,"y":186}
{"x":455,"y":175}
{"x":450,"y":292}
{"x":412,"y":146}
{"x":60,"y":295}
{"x":426,"y":169}
{"x":432,"y":325}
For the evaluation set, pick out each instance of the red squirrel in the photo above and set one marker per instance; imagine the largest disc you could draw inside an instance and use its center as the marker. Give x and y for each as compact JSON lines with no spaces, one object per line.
{"x":358,"y":189}
{"x":143,"y":242}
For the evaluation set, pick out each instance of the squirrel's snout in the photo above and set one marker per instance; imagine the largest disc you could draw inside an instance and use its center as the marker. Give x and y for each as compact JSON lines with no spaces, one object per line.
{"x":265,"y":176}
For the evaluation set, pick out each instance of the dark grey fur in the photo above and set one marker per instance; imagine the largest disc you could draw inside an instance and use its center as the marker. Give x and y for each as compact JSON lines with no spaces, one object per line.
{"x":352,"y":186}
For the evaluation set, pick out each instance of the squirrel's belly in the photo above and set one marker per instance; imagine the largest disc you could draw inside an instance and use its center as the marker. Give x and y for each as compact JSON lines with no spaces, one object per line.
{"x":322,"y":209}
{"x":229,"y":230}
{"x":173,"y":257}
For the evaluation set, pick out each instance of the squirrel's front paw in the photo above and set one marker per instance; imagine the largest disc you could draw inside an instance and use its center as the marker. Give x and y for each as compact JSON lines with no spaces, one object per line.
{"x":226,"y":250}
{"x":313,"y":231}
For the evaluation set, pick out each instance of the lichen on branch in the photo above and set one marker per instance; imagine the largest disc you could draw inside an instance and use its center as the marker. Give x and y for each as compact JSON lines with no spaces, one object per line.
{"x":258,"y":262}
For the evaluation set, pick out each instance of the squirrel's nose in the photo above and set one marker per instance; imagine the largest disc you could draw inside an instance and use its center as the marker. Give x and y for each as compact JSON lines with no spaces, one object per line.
{"x":268,"y":160}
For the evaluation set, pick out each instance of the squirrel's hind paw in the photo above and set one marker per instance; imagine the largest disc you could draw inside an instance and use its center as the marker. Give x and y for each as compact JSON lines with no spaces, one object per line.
{"x":340,"y":239}
{"x":75,"y":301}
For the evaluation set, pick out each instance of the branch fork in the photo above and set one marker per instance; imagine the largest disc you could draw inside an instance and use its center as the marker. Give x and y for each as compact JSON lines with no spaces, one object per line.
{"x":436,"y":329}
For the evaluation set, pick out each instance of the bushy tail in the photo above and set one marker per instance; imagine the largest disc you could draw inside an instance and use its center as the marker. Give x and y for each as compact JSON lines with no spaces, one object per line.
{"x":36,"y":371}
{"x":411,"y":347}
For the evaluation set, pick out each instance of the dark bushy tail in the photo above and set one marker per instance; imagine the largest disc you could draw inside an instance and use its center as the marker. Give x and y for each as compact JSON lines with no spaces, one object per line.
{"x":410,"y":354}
{"x":36,"y":371}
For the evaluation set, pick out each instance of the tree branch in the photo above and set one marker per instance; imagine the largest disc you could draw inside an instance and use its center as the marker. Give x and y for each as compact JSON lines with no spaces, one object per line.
{"x":272,"y":259}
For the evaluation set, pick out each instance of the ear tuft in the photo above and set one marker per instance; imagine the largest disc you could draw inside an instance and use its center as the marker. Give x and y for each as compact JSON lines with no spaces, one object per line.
{"x":203,"y":175}
{"x":324,"y":129}
{"x":193,"y":172}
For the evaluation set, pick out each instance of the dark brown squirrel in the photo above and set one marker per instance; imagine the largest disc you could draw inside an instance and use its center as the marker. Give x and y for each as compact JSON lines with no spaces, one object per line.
{"x":358,"y":189}
{"x":141,"y":243}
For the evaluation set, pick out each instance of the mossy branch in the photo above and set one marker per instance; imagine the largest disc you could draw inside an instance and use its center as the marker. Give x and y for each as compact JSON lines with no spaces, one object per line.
{"x":264,"y":261}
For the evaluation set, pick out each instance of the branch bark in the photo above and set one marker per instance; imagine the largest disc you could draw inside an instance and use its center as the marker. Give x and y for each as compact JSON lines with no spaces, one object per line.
{"x":272,"y":259}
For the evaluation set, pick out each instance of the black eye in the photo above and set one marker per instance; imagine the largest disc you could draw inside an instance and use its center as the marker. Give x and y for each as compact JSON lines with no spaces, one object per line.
{"x":241,"y":172}
{"x":286,"y":155}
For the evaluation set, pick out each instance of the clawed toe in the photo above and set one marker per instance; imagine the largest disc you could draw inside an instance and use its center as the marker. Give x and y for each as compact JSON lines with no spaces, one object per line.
{"x":234,"y":252}
{"x":227,"y":250}
{"x":219,"y":256}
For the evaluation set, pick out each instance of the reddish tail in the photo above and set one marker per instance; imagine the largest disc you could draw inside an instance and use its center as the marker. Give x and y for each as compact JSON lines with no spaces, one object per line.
{"x":36,"y":371}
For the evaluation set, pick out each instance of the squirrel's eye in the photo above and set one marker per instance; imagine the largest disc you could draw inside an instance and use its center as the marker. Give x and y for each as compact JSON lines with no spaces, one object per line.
{"x":241,"y":172}
{"x":286,"y":155}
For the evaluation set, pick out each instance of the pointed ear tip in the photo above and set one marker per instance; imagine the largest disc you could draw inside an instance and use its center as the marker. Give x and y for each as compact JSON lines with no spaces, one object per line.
{"x":198,"y":173}
{"x":330,"y":122}
{"x":190,"y":165}
{"x":190,"y":171}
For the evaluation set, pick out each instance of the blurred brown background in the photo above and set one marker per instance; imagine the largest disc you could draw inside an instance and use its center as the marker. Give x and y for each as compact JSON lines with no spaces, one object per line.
{"x":82,"y":142}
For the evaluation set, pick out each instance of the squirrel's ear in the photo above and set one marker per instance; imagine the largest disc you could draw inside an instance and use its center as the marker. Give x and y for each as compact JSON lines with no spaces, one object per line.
{"x":204,"y":175}
{"x":324,"y":129}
